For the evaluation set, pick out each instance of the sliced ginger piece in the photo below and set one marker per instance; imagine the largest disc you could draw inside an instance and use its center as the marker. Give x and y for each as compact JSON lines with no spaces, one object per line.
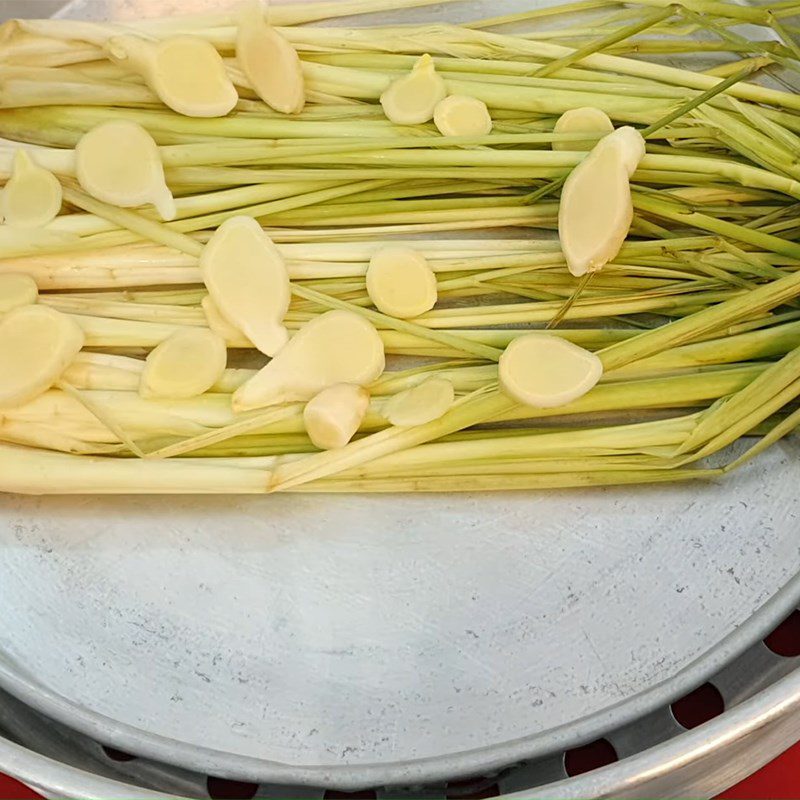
{"x":32,"y":196}
{"x":333,"y":416}
{"x":423,"y":403}
{"x":186,"y":72}
{"x":400,"y":283}
{"x":37,"y":344}
{"x":119,"y":163}
{"x":629,"y":143}
{"x":217,"y":323}
{"x":335,"y":347}
{"x":247,"y":279}
{"x":16,"y":290}
{"x":462,"y":115}
{"x":586,"y":119}
{"x":596,"y":208}
{"x":270,"y":62}
{"x":186,"y":364}
{"x":412,"y":98}
{"x":546,"y":371}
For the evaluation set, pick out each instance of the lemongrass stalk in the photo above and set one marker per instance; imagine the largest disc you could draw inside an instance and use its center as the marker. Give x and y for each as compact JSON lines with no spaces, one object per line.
{"x":248,"y":425}
{"x":762,"y":298}
{"x":771,"y":383}
{"x":674,"y":212}
{"x":648,"y":21}
{"x":34,"y":471}
{"x":469,"y":43}
{"x":404,"y":326}
{"x":490,"y":483}
{"x":477,"y":407}
{"x":783,"y":428}
{"x":745,"y":424}
{"x":669,"y":392}
{"x":633,"y":439}
{"x":103,"y":416}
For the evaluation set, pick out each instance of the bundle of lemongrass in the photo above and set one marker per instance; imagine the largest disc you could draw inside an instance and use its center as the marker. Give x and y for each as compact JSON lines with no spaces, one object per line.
{"x":218,"y":227}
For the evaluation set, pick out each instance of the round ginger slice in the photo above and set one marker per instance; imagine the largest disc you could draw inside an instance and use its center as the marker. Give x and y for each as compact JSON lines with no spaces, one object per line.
{"x":16,"y":290}
{"x":545,"y":371}
{"x":186,"y":364}
{"x":37,"y":344}
{"x":119,"y":163}
{"x":400,"y":283}
{"x":412,"y":98}
{"x":32,"y":196}
{"x":423,"y":403}
{"x":186,"y":72}
{"x":582,"y":120}
{"x":461,"y":115}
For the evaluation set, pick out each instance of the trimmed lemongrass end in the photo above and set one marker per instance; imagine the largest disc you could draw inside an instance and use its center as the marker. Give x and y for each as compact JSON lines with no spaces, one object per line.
{"x":270,"y":63}
{"x":412,"y":98}
{"x":423,"y":403}
{"x":335,"y":347}
{"x":247,"y":279}
{"x":546,"y":371}
{"x":217,"y":323}
{"x":119,"y":163}
{"x":186,"y":364}
{"x":37,"y":344}
{"x":400,"y":283}
{"x":32,"y":197}
{"x":586,"y":119}
{"x":186,"y":72}
{"x":17,"y":290}
{"x":334,"y":415}
{"x":596,"y":209}
{"x":462,"y":115}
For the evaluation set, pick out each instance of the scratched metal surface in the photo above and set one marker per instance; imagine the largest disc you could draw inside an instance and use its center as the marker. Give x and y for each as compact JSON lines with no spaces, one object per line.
{"x":394,"y":637}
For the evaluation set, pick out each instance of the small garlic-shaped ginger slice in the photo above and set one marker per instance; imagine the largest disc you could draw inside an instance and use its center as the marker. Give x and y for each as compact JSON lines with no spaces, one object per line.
{"x":186,"y":72}
{"x":422,"y":403}
{"x":269,"y":61}
{"x":596,"y":209}
{"x":17,"y":289}
{"x":334,"y":415}
{"x":400,"y":283}
{"x":37,"y":344}
{"x":335,"y":347}
{"x":186,"y":364}
{"x":462,"y":115}
{"x":247,"y":279}
{"x":586,"y":119}
{"x":412,"y":98}
{"x":32,"y":196}
{"x":119,"y":163}
{"x":546,"y":371}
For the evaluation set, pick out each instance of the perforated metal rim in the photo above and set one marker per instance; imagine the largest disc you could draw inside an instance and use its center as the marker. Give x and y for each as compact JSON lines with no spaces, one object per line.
{"x":698,"y":763}
{"x":481,"y":761}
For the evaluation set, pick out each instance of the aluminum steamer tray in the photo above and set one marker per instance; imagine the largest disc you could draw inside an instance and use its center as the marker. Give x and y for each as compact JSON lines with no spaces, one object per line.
{"x":427,"y":646}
